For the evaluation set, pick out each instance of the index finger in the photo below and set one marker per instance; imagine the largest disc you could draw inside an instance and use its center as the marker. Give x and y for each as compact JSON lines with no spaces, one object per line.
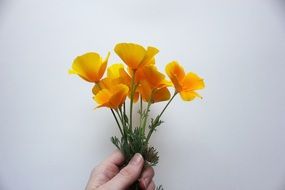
{"x":106,"y":170}
{"x":115,"y":158}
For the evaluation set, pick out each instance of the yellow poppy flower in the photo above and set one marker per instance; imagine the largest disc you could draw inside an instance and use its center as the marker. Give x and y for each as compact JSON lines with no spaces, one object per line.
{"x":135,"y":55}
{"x":185,"y":84}
{"x":118,"y":73}
{"x":89,"y":66}
{"x":111,"y":94}
{"x":152,"y":85}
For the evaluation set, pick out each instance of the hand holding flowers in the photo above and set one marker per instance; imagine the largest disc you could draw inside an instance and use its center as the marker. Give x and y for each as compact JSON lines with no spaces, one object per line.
{"x":141,"y":81}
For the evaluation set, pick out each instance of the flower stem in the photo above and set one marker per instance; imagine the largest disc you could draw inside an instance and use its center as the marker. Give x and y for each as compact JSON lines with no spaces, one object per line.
{"x":141,"y":112}
{"x":124,"y":109}
{"x":117,"y":121}
{"x":124,"y":123}
{"x":158,"y":117}
{"x":146,"y":115}
{"x":119,"y":113}
{"x":175,"y":93}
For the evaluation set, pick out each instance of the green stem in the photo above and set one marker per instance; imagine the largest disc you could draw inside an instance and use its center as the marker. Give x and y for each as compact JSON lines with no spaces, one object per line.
{"x":113,"y":114}
{"x":146,"y":115}
{"x":125,"y":134}
{"x":124,"y":109}
{"x":141,"y":111}
{"x":120,"y":117}
{"x":158,"y":117}
{"x":117,"y":121}
{"x":175,"y":93}
{"x":141,"y":103}
{"x":147,"y":109}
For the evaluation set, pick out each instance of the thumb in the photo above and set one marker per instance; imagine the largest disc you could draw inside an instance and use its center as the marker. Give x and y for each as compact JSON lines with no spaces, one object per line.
{"x":128,"y":175}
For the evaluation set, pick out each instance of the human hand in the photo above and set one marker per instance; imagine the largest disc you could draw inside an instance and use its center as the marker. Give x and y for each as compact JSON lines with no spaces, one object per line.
{"x":108,"y":176}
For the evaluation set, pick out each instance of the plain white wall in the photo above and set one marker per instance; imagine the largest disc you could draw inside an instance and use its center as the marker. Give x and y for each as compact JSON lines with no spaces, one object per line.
{"x":233,"y":139}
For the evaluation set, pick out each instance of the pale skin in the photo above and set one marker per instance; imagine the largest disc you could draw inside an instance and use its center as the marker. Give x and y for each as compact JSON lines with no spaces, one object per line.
{"x":108,"y":176}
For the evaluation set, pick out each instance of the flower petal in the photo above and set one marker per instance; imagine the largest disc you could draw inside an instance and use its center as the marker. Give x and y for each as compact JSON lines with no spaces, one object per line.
{"x":136,"y":96}
{"x":114,"y":70}
{"x":145,"y":90}
{"x":102,"y":97}
{"x":153,"y":76}
{"x":96,"y":88}
{"x":189,"y":95}
{"x":119,"y":95}
{"x":176,"y":74}
{"x":117,"y":71}
{"x":193,"y":82}
{"x":131,"y":54}
{"x":174,"y":69}
{"x":161,"y":94}
{"x":103,"y":66}
{"x":149,"y":56}
{"x":89,"y":66}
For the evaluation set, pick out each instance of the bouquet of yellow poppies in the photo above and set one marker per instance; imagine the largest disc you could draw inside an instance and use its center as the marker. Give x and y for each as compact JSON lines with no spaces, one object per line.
{"x":139,"y":81}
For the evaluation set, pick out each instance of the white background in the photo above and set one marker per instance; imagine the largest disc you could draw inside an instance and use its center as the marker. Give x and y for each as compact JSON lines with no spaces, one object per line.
{"x":233,"y":139}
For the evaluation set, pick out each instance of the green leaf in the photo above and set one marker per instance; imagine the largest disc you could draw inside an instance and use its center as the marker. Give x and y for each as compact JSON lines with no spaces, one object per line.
{"x":115,"y":141}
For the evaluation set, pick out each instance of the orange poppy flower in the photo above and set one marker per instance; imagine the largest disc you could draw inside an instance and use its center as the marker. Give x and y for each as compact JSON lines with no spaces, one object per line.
{"x":117,"y":72}
{"x":135,"y":55}
{"x":89,"y":66}
{"x":152,"y":85}
{"x":185,"y":84}
{"x":111,"y":94}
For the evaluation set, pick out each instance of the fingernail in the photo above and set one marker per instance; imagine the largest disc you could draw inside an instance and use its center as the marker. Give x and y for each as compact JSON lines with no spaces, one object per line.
{"x":136,"y":159}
